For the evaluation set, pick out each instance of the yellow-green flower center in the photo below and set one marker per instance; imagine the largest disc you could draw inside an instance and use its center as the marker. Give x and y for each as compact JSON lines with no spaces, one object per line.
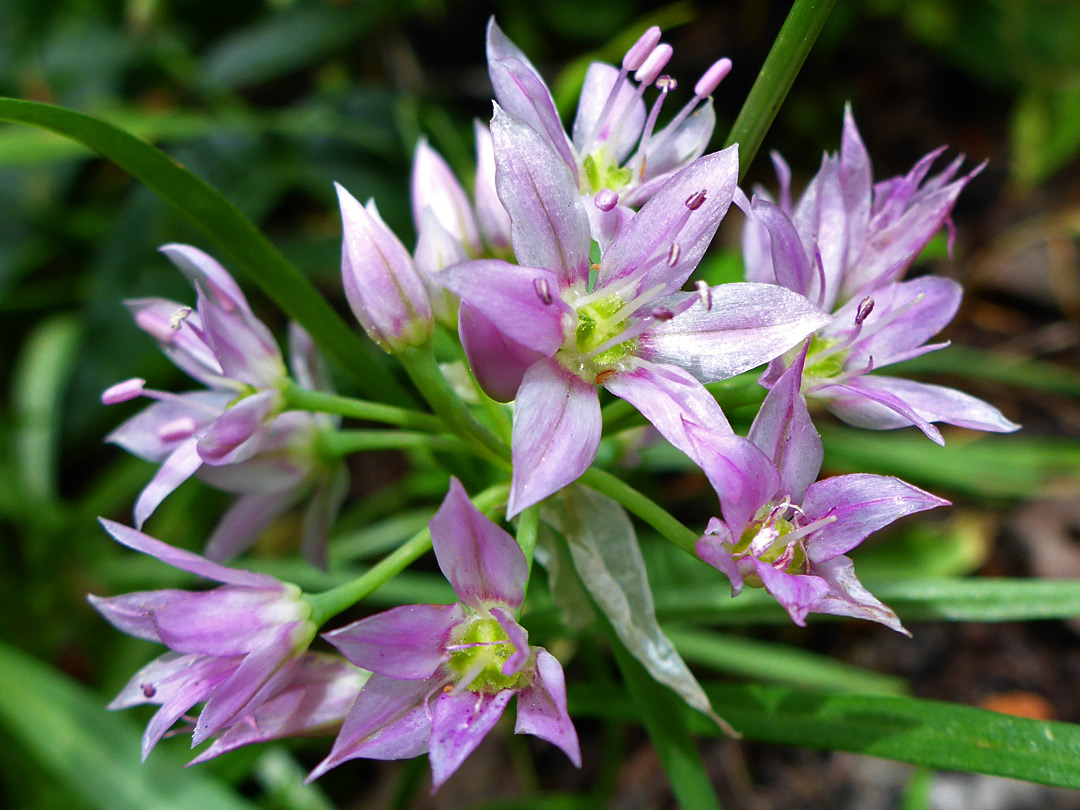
{"x":820,"y":362}
{"x":478,"y":651}
{"x":598,"y":323}
{"x":601,"y":171}
{"x":776,"y":549}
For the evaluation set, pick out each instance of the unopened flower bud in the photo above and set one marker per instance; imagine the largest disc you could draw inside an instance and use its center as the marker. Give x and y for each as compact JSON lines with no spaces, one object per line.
{"x":493,"y":219}
{"x":435,"y":187}
{"x":381,"y":283}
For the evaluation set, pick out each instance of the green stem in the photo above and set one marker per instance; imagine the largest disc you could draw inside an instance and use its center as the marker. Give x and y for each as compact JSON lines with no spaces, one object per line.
{"x":528,"y":525}
{"x":328,"y":604}
{"x":782,"y":65}
{"x":345,"y":442}
{"x":424,"y":371}
{"x":649,"y":511}
{"x":301,"y":399}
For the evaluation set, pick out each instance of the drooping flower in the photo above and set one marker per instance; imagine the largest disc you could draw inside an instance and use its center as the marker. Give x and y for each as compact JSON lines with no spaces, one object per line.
{"x":549,"y":331}
{"x":786,"y":532}
{"x":233,"y":647}
{"x":845,"y":244}
{"x":613,"y":145}
{"x":444,"y":674}
{"x":283,"y":468}
{"x":313,"y":704}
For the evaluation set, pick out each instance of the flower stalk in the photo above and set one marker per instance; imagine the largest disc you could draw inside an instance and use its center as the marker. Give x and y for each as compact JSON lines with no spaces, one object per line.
{"x":302,"y":399}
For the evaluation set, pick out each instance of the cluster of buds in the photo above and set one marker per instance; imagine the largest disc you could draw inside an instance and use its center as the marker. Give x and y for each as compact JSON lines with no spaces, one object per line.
{"x":544,"y":323}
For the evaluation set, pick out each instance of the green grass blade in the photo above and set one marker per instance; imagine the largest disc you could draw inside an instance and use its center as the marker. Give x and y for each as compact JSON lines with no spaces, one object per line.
{"x":243,"y":244}
{"x":95,"y":753}
{"x":937,"y":599}
{"x":923,"y":732}
{"x":778,"y":663}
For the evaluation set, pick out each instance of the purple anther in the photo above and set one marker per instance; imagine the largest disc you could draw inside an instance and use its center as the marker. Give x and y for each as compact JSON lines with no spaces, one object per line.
{"x":123,"y":391}
{"x":177,"y":429}
{"x":673,"y":254}
{"x":641,"y":49}
{"x":704,"y":292}
{"x":542,"y":290}
{"x":656,"y":62}
{"x":149,"y":690}
{"x":606,"y":199}
{"x":155,"y":326}
{"x":712,"y":78}
{"x":663,"y":314}
{"x":866,"y":306}
{"x":665,"y":83}
{"x":695,"y":201}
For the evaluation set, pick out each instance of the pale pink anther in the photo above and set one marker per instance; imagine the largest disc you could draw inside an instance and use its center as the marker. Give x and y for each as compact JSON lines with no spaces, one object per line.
{"x":641,"y":49}
{"x":123,"y":391}
{"x":180,"y":428}
{"x":708,"y":83}
{"x":606,"y":199}
{"x":654,"y":64}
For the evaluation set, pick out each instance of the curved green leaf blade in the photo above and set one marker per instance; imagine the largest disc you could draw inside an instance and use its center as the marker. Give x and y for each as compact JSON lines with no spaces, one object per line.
{"x":95,"y":753}
{"x":923,"y":732}
{"x":938,"y":599}
{"x":219,"y":219}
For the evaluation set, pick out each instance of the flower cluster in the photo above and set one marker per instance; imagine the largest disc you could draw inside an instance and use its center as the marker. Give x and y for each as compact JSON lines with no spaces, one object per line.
{"x":563,"y":273}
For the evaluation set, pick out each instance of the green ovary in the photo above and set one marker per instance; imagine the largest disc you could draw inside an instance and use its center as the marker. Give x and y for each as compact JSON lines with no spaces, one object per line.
{"x":492,"y":651}
{"x":595,"y":329}
{"x":601,"y":172}
{"x":773,"y":552}
{"x":825,"y":367}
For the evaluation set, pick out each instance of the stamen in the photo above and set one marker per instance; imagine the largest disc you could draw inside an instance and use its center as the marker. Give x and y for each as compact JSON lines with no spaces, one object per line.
{"x":543,"y":292}
{"x":866,"y":306}
{"x":664,"y":84}
{"x":673,"y":254}
{"x":148,"y":690}
{"x":641,"y":49}
{"x":654,"y":63}
{"x":178,"y":318}
{"x":177,"y":429}
{"x":695,"y":201}
{"x":712,"y":77}
{"x":799,"y":534}
{"x":662,"y":314}
{"x":606,"y":199}
{"x":123,"y":391}
{"x":470,"y":675}
{"x":704,"y":292}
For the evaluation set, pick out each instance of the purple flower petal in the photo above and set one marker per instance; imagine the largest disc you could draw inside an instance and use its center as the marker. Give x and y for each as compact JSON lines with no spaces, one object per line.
{"x":459,"y":725}
{"x":320,"y":514}
{"x":740,"y":326}
{"x":599,"y":81}
{"x":541,"y":708}
{"x":519,"y":638}
{"x":155,"y":432}
{"x":669,"y":398}
{"x":712,"y":549}
{"x":434,"y":186}
{"x":493,"y":219}
{"x":786,"y":434}
{"x":787,"y":262}
{"x":436,"y":249}
{"x":860,"y":505}
{"x":262,"y":673}
{"x":244,"y":347}
{"x":308,"y":367}
{"x":235,"y":435}
{"x":318,"y":698}
{"x":847,"y":596}
{"x":497,"y":362}
{"x":390,"y":720}
{"x":936,"y":403}
{"x":175,"y":470}
{"x":245,"y":521}
{"x":407,"y":642}
{"x":863,"y":403}
{"x":522,"y":302}
{"x":549,"y":226}
{"x":483,"y":563}
{"x":184,"y":345}
{"x":186,"y":560}
{"x":645,"y":245}
{"x":204,"y":272}
{"x":797,"y":593}
{"x":225,"y":621}
{"x":556,"y":433}
{"x":520,"y":90}
{"x":744,"y":478}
